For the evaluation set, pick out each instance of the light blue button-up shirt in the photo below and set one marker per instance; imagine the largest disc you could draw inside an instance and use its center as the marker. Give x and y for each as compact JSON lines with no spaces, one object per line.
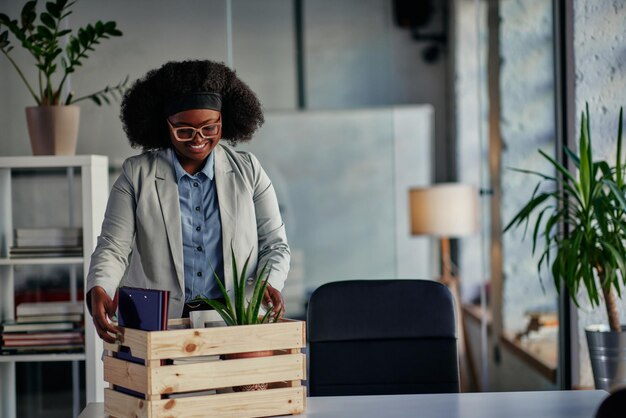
{"x":201,"y":228}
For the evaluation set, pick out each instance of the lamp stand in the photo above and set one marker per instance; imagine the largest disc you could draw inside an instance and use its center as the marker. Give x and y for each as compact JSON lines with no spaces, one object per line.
{"x":466,"y":369}
{"x":446,"y":262}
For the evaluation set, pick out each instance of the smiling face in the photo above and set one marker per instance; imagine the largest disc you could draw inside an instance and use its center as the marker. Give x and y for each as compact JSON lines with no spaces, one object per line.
{"x":193,"y":153}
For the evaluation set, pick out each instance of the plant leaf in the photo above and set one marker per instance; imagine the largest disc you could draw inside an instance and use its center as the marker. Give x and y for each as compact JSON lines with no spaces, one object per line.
{"x":257,"y":294}
{"x":586,"y":179}
{"x":48,"y":20}
{"x":28,"y":15}
{"x":618,"y":163}
{"x":53,"y":9}
{"x":241,"y":299}
{"x":572,"y":156}
{"x":559,"y":167}
{"x":617,"y":193}
{"x":44,"y":33}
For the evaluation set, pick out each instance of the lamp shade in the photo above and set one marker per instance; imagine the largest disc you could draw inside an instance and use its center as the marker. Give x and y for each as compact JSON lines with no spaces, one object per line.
{"x":445,"y":209}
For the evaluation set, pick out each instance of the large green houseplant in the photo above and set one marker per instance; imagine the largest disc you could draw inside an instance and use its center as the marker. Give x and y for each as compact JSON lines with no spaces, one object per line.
{"x":582,"y":222}
{"x":57,"y":53}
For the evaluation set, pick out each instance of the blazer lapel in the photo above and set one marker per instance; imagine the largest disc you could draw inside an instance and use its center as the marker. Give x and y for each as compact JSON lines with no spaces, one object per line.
{"x":227,"y":199}
{"x":167,"y":190}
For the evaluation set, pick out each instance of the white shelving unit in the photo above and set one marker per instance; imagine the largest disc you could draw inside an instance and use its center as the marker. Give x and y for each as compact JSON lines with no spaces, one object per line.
{"x":93,"y":170}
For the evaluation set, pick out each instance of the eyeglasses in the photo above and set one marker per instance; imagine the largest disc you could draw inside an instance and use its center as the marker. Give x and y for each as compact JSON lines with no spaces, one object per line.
{"x":188,"y":133}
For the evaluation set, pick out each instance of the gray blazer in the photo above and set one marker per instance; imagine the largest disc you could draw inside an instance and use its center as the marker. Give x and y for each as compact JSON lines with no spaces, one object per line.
{"x":141,"y":238}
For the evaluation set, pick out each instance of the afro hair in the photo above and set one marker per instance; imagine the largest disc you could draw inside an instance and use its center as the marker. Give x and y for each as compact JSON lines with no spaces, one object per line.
{"x":142,"y":110}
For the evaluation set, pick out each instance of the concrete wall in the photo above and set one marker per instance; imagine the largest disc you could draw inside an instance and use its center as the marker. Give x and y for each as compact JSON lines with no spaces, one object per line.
{"x":354,"y":57}
{"x":527,"y":125}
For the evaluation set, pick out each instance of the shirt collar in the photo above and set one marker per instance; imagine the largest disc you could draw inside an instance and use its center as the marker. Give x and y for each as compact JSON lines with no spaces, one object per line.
{"x":208,"y":170}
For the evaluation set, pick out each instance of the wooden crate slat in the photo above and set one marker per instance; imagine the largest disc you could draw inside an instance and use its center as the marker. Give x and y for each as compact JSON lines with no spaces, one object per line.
{"x":261,"y":403}
{"x":137,"y":340}
{"x":173,"y":344}
{"x":227,"y":373}
{"x":120,"y":405}
{"x":127,"y":374}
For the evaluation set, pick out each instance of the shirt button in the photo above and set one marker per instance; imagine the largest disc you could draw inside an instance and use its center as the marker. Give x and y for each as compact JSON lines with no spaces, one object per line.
{"x":198,"y":228}
{"x":199,"y":274}
{"x":197,"y":208}
{"x":199,"y":248}
{"x":195,"y":184}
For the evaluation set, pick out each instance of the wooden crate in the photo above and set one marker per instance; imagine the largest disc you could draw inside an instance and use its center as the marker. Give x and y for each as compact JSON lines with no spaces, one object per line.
{"x":162,"y":382}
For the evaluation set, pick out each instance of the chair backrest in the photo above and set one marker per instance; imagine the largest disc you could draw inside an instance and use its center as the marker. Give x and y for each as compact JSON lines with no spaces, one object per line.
{"x":613,"y":406}
{"x":374,"y":337}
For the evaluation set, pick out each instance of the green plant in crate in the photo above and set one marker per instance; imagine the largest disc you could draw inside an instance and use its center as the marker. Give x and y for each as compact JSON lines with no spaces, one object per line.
{"x":43,"y":41}
{"x":592,"y":208}
{"x":241,"y":311}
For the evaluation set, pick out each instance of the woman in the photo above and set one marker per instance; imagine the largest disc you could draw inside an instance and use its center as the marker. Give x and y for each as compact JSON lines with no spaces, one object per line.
{"x":177,"y":209}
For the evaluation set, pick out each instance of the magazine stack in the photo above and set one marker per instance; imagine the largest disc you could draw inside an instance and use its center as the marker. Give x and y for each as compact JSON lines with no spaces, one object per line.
{"x":44,"y":327}
{"x":47,"y":242}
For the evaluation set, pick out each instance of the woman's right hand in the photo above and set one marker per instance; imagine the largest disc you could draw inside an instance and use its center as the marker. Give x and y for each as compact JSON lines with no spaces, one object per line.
{"x":102,"y":309}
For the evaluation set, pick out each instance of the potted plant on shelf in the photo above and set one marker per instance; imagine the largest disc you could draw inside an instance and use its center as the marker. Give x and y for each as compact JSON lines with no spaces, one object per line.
{"x":591,"y":253}
{"x":53,"y":122}
{"x":242,"y":311}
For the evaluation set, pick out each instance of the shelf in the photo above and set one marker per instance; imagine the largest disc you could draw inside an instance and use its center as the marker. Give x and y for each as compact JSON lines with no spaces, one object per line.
{"x":89,"y":174}
{"x":47,"y":161}
{"x":14,"y":358}
{"x":40,"y":260}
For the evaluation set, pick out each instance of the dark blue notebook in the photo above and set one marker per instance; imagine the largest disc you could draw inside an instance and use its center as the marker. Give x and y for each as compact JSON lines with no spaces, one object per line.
{"x":144,"y":309}
{"x":141,"y":308}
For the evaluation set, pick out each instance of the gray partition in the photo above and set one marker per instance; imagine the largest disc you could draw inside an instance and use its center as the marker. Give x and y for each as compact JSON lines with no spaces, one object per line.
{"x":342,"y":178}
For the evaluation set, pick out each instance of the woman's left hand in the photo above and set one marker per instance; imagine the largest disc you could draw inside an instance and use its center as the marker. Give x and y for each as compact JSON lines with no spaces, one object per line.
{"x":273,"y":300}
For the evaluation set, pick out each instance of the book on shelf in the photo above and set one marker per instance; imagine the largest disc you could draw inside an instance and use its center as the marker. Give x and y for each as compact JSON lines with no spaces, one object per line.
{"x":33,"y":252}
{"x":26,"y":319}
{"x":42,"y":343}
{"x":49,"y":232}
{"x":44,"y":241}
{"x":50,"y":349}
{"x":12,"y":326}
{"x":42,"y":336}
{"x":50,"y":308}
{"x":47,"y":242}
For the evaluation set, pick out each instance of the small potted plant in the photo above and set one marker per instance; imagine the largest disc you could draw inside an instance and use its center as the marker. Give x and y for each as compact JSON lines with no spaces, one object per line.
{"x":53,"y":122}
{"x":242,"y":311}
{"x":591,"y":207}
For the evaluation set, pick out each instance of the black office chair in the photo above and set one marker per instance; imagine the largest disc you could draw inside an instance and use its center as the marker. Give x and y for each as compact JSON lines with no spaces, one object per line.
{"x":613,"y":406}
{"x":375,"y":337}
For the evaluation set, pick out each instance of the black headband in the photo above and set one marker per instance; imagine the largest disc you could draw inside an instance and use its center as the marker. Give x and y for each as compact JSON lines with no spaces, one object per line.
{"x":199,"y":100}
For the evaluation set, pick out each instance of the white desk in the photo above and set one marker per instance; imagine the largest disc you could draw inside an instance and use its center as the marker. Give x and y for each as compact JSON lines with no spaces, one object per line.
{"x":552,"y":404}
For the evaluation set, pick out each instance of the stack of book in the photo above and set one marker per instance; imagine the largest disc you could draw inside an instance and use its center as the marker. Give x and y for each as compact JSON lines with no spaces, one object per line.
{"x":47,"y":242}
{"x":44,"y":327}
